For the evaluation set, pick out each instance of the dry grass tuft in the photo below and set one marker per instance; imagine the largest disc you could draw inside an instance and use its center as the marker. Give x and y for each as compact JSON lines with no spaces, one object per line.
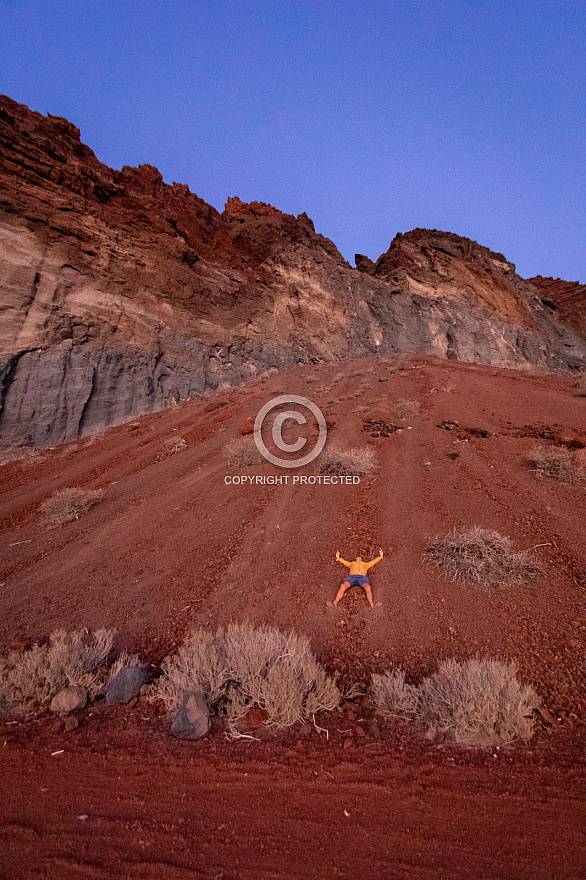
{"x":175,"y":444}
{"x":357,"y":461}
{"x":556,"y":462}
{"x":242,"y":665}
{"x":34,"y":676}
{"x":406,"y":409}
{"x":476,"y":703}
{"x":65,"y":505}
{"x":243,"y":452}
{"x":482,"y":556}
{"x":392,"y":696}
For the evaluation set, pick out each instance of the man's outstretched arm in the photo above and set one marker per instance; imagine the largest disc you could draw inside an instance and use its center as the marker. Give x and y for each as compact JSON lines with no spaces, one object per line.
{"x":378,"y":559}
{"x":343,"y":561}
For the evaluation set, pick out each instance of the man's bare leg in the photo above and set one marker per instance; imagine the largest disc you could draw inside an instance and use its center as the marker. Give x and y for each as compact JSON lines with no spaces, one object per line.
{"x":345,"y":586}
{"x":368,"y":592}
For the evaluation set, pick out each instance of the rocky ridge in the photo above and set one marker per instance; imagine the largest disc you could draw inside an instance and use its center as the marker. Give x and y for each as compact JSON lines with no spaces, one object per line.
{"x":121,"y":293}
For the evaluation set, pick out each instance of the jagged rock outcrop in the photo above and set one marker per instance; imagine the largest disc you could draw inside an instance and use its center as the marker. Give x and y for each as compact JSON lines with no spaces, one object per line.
{"x":568,"y":298}
{"x":120,"y":293}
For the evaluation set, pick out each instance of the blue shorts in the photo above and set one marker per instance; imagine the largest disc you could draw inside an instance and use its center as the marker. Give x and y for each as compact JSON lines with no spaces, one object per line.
{"x":357,"y":580}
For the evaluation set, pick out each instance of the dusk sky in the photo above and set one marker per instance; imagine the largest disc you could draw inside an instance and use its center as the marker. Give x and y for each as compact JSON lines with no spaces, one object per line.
{"x":373,"y":117}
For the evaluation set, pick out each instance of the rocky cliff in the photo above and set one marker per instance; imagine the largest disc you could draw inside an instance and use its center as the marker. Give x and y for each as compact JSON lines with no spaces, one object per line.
{"x":568,"y":298}
{"x":121,"y":293}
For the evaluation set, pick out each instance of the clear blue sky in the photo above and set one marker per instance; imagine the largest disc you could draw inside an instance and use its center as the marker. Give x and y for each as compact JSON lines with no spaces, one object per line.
{"x":373,"y":116}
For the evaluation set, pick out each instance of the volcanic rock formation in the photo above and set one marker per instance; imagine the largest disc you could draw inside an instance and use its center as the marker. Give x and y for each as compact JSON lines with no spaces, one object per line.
{"x":121,"y":293}
{"x":567,"y":297}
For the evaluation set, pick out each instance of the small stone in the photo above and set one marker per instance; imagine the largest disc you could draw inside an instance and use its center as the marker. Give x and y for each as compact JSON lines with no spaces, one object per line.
{"x":373,"y":729}
{"x":348,"y":743}
{"x":69,"y":699}
{"x":545,"y":716}
{"x":256,"y":717}
{"x":305,"y":730}
{"x":56,"y":725}
{"x":132,"y":703}
{"x":126,"y":684}
{"x":192,"y":720}
{"x":360,"y":731}
{"x":70,"y":722}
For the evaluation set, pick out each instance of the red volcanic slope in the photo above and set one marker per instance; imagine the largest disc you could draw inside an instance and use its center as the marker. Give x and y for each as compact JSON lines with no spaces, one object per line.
{"x":172,"y":546}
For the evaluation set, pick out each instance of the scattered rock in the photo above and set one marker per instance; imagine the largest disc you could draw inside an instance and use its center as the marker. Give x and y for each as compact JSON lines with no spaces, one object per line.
{"x":449,"y":425}
{"x":70,"y":723}
{"x":305,"y":730}
{"x":132,"y":703}
{"x":373,"y":729}
{"x":544,"y":715}
{"x":69,"y":699}
{"x":360,"y":731}
{"x":256,"y":717}
{"x":348,"y":743}
{"x":247,"y":427}
{"x":192,"y":720}
{"x":126,"y":685}
{"x":57,"y":725}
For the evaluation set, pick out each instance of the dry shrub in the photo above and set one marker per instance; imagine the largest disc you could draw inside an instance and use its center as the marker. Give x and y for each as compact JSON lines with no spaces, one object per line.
{"x":392,"y":696}
{"x":65,"y":505}
{"x":242,"y":665}
{"x":482,"y":556}
{"x":399,"y":361}
{"x":357,"y":461}
{"x":479,"y":703}
{"x":556,"y":462}
{"x":242,"y":452}
{"x":476,"y":703}
{"x":175,"y":444}
{"x":406,"y":409}
{"x":34,"y":676}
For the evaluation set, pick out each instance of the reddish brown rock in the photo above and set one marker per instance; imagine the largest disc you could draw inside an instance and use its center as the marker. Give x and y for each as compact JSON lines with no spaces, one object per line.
{"x":567,"y":298}
{"x":122,"y":293}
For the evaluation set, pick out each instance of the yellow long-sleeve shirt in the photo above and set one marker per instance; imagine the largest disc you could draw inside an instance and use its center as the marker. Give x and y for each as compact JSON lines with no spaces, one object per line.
{"x":359,"y":567}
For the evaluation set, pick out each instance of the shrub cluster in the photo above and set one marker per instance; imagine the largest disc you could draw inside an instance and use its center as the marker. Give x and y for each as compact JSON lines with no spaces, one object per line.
{"x":476,"y":703}
{"x":357,"y":461}
{"x":556,"y":462}
{"x":482,"y":556}
{"x":242,"y":452}
{"x":242,"y":665}
{"x":34,"y":676}
{"x":65,"y":505}
{"x":406,"y":409}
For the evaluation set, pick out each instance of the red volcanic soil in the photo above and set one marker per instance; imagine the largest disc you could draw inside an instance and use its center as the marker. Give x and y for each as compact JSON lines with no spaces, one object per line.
{"x":172,"y":546}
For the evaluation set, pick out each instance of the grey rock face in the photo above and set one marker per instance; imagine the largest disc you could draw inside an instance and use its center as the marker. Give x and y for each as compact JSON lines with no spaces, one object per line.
{"x":192,"y":720}
{"x":120,"y":294}
{"x":69,"y":699}
{"x":126,"y":684}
